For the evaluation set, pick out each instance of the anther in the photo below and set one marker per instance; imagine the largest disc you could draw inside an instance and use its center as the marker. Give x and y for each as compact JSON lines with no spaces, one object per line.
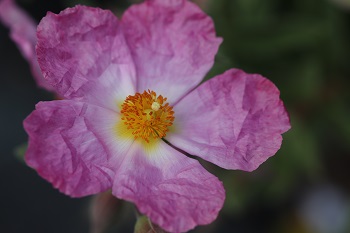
{"x":147,"y":115}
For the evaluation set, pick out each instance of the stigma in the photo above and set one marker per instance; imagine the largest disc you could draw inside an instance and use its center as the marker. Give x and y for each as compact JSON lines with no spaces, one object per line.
{"x":147,"y":115}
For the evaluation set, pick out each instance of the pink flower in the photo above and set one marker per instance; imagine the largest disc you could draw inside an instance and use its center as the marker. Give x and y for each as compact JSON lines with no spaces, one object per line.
{"x":132,"y":106}
{"x":23,"y":33}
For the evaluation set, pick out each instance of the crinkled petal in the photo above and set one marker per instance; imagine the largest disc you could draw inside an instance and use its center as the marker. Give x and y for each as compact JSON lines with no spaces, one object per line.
{"x":174,"y":191}
{"x":173,"y":43}
{"x":234,"y":120}
{"x":23,"y":33}
{"x":83,"y":54}
{"x":74,"y":146}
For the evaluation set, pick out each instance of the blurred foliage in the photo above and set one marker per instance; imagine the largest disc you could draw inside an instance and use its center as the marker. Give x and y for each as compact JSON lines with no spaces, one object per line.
{"x":20,"y":150}
{"x":144,"y":225}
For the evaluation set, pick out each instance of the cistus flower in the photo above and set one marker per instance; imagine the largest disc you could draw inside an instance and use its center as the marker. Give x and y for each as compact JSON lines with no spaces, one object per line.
{"x":23,"y":33}
{"x":132,"y":107}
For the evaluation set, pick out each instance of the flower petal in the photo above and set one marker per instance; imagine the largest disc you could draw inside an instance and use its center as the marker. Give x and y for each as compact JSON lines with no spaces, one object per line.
{"x":83,"y":54}
{"x":74,"y":146}
{"x":172,"y":42}
{"x":23,"y":33}
{"x":234,"y":120}
{"x":174,"y":191}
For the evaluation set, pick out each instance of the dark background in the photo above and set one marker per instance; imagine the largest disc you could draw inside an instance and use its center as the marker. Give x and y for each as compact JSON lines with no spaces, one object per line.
{"x":302,"y":46}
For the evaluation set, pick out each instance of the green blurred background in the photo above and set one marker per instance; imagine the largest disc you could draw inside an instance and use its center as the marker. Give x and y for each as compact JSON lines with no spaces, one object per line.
{"x":303,"y":46}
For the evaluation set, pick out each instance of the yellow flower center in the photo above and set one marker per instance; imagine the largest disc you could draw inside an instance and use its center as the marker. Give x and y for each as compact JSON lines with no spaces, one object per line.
{"x":147,"y":115}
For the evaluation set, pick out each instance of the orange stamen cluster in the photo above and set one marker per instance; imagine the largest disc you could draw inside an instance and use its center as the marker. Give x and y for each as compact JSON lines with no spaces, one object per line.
{"x":147,"y":115}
